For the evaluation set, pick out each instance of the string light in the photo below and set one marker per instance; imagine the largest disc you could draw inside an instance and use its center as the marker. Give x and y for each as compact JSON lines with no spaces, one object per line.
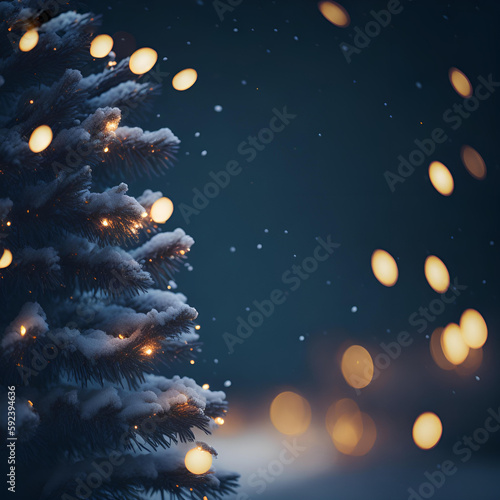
{"x":219,"y":421}
{"x":197,"y":327}
{"x":28,"y":41}
{"x":6,"y":259}
{"x":205,"y":387}
{"x":101,"y":46}
{"x":121,"y":336}
{"x":144,"y":214}
{"x":8,"y":223}
{"x":185,"y":79}
{"x":105,"y":222}
{"x":142,"y":60}
{"x":198,"y":460}
{"x":148,"y":351}
{"x":162,"y":210}
{"x":192,"y":361}
{"x":427,"y":430}
{"x":40,"y":138}
{"x":30,"y":403}
{"x":112,"y":125}
{"x":22,"y":330}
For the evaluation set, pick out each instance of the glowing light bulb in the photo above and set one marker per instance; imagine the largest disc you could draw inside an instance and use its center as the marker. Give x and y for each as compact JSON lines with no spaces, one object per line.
{"x":185,"y":79}
{"x":436,"y":274}
{"x":441,"y":178}
{"x":6,"y":259}
{"x":205,"y":387}
{"x":357,"y":366}
{"x":198,"y":460}
{"x":105,"y":222}
{"x":473,"y":328}
{"x":427,"y":430}
{"x":192,"y":362}
{"x":40,"y":138}
{"x":162,"y":210}
{"x":30,"y":403}
{"x":384,"y":267}
{"x":142,"y":60}
{"x":106,"y":149}
{"x":454,"y":347}
{"x":460,"y":82}
{"x":197,"y":327}
{"x":101,"y":46}
{"x":335,"y":13}
{"x":219,"y":421}
{"x":144,"y":214}
{"x":28,"y":41}
{"x":22,"y":330}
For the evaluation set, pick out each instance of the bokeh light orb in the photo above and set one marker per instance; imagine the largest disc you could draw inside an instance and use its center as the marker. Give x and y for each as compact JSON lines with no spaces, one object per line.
{"x":454,"y":347}
{"x":198,"y":460}
{"x":29,"y":41}
{"x":162,"y":210}
{"x":335,"y":13}
{"x":473,"y":162}
{"x":142,"y":60}
{"x":357,"y":366}
{"x":460,"y":82}
{"x":6,"y":259}
{"x":441,"y":178}
{"x":185,"y":79}
{"x":437,"y":351}
{"x":368,"y":438}
{"x":40,"y":138}
{"x":473,"y":328}
{"x":101,"y":46}
{"x":384,"y":267}
{"x":427,"y":430}
{"x":290,"y":413}
{"x":437,"y":274}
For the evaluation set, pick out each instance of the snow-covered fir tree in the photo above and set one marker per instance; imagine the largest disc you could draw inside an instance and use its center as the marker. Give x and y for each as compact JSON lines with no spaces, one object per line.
{"x":87,"y":310}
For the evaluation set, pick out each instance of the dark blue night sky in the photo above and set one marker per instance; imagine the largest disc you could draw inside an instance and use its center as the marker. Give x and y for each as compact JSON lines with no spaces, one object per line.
{"x":324,"y":174}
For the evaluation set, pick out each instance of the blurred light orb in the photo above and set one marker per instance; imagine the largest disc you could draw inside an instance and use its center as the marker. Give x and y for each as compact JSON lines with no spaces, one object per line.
{"x":344,"y":406}
{"x":357,"y":366}
{"x":290,"y":413}
{"x":454,"y":347}
{"x":427,"y":430}
{"x":162,"y":210}
{"x":6,"y":259}
{"x":384,"y":267}
{"x":347,"y":432}
{"x":29,"y":41}
{"x":441,"y":178}
{"x":101,"y":46}
{"x":335,"y":13}
{"x":368,"y":438}
{"x":473,"y":162}
{"x":142,"y":60}
{"x":472,"y":362}
{"x":437,"y":351}
{"x":473,"y":328}
{"x":460,"y":82}
{"x":436,"y":274}
{"x":40,"y":138}
{"x":185,"y":79}
{"x":198,"y":460}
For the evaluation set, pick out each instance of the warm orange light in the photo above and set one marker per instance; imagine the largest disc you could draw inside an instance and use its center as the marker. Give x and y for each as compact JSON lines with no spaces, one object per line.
{"x":144,"y":214}
{"x":205,"y":387}
{"x":162,"y":210}
{"x":105,"y":222}
{"x":40,"y":138}
{"x":473,"y":328}
{"x":454,"y":347}
{"x":197,"y":327}
{"x":441,"y":178}
{"x":22,"y":330}
{"x":427,"y":430}
{"x":101,"y":46}
{"x":6,"y":259}
{"x":29,"y":41}
{"x":198,"y":460}
{"x":290,"y":413}
{"x":473,"y":162}
{"x":437,"y":351}
{"x":148,"y":351}
{"x":185,"y":79}
{"x":106,"y":149}
{"x":357,"y":366}
{"x":142,"y":60}
{"x":30,"y":403}
{"x":192,"y":361}
{"x":112,"y":125}
{"x":335,"y":13}
{"x":384,"y":267}
{"x":219,"y":421}
{"x":460,"y":82}
{"x":437,"y":274}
